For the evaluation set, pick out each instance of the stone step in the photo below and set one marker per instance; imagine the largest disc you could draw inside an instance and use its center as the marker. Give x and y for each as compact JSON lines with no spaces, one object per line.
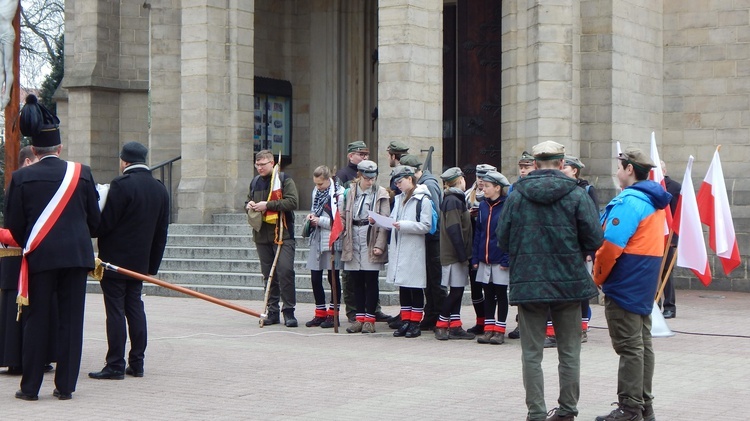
{"x":228,"y":279}
{"x":242,"y":266}
{"x":210,"y":240}
{"x":209,"y":229}
{"x":218,"y":252}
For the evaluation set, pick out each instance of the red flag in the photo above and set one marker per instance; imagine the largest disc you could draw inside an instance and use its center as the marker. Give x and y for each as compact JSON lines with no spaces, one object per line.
{"x":713,"y":205}
{"x":691,"y":249}
{"x":657,"y":175}
{"x":337,"y":226}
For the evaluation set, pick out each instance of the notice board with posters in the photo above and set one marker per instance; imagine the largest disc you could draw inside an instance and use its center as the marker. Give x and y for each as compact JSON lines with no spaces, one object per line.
{"x":272,"y":120}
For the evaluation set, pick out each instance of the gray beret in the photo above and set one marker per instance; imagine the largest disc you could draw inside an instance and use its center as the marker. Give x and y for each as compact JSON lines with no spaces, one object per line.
{"x":410,"y":160}
{"x":495,"y":178}
{"x":483,"y":168}
{"x":636,"y":157}
{"x":573,"y":161}
{"x":548,"y":150}
{"x":368,"y":168}
{"x":451,"y":174}
{"x":133,"y":153}
{"x":401,"y":171}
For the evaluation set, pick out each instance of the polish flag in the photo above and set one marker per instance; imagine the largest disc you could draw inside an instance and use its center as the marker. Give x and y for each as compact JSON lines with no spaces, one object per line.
{"x":691,"y":249}
{"x":270,"y":216}
{"x":657,"y":175}
{"x":337,"y":226}
{"x":713,"y":205}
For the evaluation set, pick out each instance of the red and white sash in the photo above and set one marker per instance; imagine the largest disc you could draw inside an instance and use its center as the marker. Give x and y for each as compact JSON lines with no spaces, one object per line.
{"x":44,"y":224}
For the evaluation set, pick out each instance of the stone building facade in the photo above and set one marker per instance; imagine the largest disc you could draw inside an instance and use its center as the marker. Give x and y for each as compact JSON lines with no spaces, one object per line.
{"x":181,"y":76}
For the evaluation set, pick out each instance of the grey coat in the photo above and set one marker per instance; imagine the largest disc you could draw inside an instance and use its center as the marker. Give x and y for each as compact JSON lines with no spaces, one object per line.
{"x":406,"y":265}
{"x":377,"y":237}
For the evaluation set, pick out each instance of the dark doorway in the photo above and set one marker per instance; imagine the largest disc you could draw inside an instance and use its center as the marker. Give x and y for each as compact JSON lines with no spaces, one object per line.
{"x":471,"y":84}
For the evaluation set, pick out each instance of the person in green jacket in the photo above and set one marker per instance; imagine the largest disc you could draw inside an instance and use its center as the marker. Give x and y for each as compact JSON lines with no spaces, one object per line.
{"x":547,"y":225}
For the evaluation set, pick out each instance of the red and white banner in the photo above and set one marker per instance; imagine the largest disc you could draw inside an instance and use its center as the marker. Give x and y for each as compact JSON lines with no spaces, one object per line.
{"x":713,"y":205}
{"x":337,"y":226}
{"x":275,"y":193}
{"x":691,"y":249}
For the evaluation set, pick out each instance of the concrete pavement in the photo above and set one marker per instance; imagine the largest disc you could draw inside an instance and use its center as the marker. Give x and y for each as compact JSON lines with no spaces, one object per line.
{"x":208,"y":362}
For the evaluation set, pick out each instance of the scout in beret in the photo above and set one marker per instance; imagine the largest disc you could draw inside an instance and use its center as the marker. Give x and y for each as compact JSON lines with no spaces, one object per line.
{"x":451,"y":174}
{"x":548,"y":151}
{"x":482,"y":169}
{"x":496,"y":178}
{"x":358,"y":147}
{"x":402,"y":171}
{"x":411,"y":160}
{"x":397,"y":147}
{"x":356,"y":152}
{"x":525,"y":164}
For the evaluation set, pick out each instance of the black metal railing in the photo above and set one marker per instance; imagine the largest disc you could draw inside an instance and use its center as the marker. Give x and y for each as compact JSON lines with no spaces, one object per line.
{"x":165,"y":175}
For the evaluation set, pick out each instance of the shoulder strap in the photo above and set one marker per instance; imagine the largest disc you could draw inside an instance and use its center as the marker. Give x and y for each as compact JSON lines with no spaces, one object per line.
{"x":419,"y":209}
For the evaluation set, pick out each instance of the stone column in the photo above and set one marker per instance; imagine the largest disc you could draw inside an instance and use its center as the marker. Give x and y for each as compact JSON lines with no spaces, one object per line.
{"x":410,"y":78}
{"x":217,"y":108}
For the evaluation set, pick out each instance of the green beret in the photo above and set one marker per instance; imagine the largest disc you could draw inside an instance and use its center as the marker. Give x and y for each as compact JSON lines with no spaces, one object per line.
{"x":397,"y":147}
{"x":636,"y":157}
{"x":402,"y":171}
{"x":410,"y":160}
{"x":357,"y":146}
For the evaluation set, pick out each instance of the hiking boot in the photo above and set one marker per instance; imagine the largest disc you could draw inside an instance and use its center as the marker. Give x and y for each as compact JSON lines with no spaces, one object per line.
{"x":356,"y":327}
{"x":476,"y":329}
{"x":485,"y":339}
{"x":414,"y":331}
{"x":316,"y":321}
{"x":497,"y":339}
{"x":584,"y":337}
{"x":368,"y":327}
{"x":553,"y":415}
{"x":289,"y":319}
{"x":271,"y":319}
{"x":328,"y":323}
{"x":428,"y":323}
{"x":460,"y":333}
{"x":515,"y":334}
{"x":550,"y":342}
{"x":622,"y":413}
{"x":648,"y":413}
{"x":396,"y":324}
{"x":441,"y":334}
{"x":401,"y":331}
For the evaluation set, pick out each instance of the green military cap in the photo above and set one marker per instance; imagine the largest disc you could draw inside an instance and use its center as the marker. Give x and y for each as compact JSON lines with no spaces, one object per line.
{"x":357,"y":146}
{"x":451,"y":174}
{"x":573,"y":161}
{"x":402,"y":171}
{"x":495,"y":178}
{"x":636,"y":157}
{"x":397,"y":147}
{"x":483,"y":168}
{"x":548,"y":150}
{"x":410,"y":160}
{"x":368,"y":168}
{"x":526,"y":159}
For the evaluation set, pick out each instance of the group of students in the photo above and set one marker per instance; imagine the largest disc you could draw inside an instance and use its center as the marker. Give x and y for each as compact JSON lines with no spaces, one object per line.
{"x":466,"y":219}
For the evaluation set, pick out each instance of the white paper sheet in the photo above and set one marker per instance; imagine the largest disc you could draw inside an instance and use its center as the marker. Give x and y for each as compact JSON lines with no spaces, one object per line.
{"x":380,"y":220}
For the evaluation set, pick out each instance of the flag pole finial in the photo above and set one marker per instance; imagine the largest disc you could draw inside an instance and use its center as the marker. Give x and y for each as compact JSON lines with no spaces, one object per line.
{"x":718,"y":148}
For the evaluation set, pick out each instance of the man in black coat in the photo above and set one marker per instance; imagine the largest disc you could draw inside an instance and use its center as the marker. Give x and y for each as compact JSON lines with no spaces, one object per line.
{"x":670,"y":305}
{"x":132,"y":235}
{"x":59,"y":259}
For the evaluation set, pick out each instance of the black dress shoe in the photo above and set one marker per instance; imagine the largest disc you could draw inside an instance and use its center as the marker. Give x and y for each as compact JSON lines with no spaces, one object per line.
{"x":132,"y":372}
{"x":381,"y":317}
{"x":401,"y":331}
{"x":669,"y":314}
{"x":107,"y":374}
{"x":24,"y":396}
{"x":13,"y":371}
{"x":62,"y":396}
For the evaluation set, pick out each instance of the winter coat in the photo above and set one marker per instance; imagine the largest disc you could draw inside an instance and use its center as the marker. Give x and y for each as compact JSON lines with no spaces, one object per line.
{"x":377,"y":236}
{"x":455,"y":228}
{"x":406,"y":266}
{"x":321,"y":236}
{"x":628,"y":263}
{"x":485,"y":248}
{"x":287,"y":204}
{"x":547,"y":225}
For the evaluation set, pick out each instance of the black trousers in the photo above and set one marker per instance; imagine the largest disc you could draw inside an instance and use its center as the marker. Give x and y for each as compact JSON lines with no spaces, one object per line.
{"x":122,"y":302}
{"x":70,"y":286}
{"x":434,"y":292}
{"x":669,"y":296}
{"x":366,"y":290}
{"x":316,"y":276}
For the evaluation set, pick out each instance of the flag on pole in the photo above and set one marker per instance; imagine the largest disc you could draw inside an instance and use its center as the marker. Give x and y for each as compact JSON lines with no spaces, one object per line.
{"x":691,"y":249}
{"x":270,"y":216}
{"x":337,"y":226}
{"x":713,"y":206}
{"x":657,"y":175}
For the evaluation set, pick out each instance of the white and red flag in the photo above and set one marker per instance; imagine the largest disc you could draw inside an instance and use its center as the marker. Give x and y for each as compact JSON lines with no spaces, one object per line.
{"x":657,"y":175}
{"x":337,"y":226}
{"x":713,"y":205}
{"x":691,"y":249}
{"x":275,"y":193}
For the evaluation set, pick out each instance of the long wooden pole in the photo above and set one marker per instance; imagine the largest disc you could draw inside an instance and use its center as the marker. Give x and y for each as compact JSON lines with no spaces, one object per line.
{"x":139,"y":276}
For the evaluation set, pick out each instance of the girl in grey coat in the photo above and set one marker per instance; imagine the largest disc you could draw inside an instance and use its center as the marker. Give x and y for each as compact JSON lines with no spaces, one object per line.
{"x":408,"y":247}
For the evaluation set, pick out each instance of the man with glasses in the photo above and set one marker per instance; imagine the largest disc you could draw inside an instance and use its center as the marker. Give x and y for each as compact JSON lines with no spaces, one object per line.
{"x":257,"y":201}
{"x":356,"y":152}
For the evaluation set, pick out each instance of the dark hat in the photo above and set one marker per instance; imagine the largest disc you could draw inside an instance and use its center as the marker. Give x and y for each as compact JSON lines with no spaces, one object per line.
{"x":357,"y":146}
{"x":451,"y":174}
{"x":573,"y":161}
{"x":134,"y":153}
{"x":41,"y":124}
{"x":495,"y":178}
{"x":636,"y":157}
{"x":410,"y":160}
{"x":483,"y":168}
{"x":368,"y":168}
{"x":548,"y":150}
{"x":401,"y":171}
{"x":397,"y":147}
{"x":526,"y":158}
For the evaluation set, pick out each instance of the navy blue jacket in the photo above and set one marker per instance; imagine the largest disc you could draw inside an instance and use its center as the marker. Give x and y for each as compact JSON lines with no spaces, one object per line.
{"x":485,"y":247}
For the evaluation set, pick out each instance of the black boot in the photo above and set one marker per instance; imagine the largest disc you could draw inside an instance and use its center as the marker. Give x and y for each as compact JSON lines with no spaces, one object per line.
{"x":414,"y":331}
{"x":271,"y":319}
{"x":289,"y":319}
{"x":403,"y":329}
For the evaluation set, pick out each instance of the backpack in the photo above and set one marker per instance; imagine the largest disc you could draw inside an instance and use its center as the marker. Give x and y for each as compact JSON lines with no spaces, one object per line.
{"x":435,"y":216}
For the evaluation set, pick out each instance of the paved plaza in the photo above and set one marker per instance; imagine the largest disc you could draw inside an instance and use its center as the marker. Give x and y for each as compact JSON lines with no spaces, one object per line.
{"x":208,"y":362}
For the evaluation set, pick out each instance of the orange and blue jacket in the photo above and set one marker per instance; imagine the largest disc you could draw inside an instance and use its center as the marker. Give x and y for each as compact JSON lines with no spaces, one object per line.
{"x":627,"y":264}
